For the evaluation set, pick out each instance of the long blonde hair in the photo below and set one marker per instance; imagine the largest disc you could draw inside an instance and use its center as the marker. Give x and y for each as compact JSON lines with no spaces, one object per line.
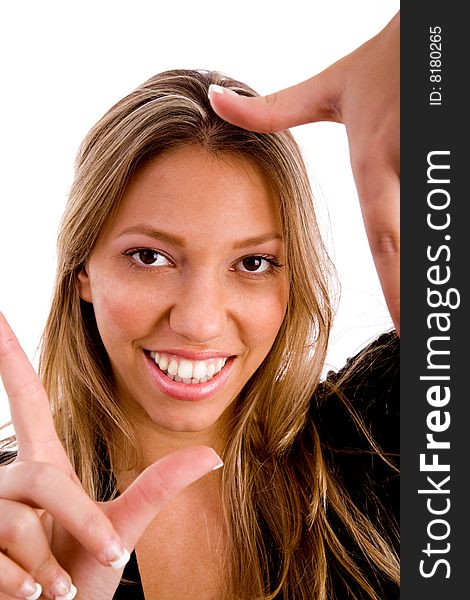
{"x":166,"y":112}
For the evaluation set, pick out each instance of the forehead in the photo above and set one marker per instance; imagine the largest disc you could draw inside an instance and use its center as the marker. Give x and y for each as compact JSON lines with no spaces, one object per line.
{"x":191,"y":190}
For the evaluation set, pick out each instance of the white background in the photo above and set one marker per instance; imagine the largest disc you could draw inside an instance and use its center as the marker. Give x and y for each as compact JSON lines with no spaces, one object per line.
{"x":66,"y":62}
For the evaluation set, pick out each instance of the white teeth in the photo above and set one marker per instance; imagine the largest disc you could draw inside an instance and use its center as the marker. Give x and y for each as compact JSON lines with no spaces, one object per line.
{"x":173,"y":367}
{"x":199,"y":369}
{"x":185,"y":369}
{"x":188,"y":371}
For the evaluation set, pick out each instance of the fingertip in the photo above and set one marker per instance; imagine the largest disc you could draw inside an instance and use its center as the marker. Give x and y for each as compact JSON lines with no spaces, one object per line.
{"x":3,"y":320}
{"x":219,"y":90}
{"x":237,"y":109}
{"x":7,"y":335}
{"x":219,"y":465}
{"x":212,"y":460}
{"x":29,"y":593}
{"x":218,"y":462}
{"x":121,"y":561}
{"x":214,"y":90}
{"x":70,"y":595}
{"x":116,"y":556}
{"x":219,"y":97}
{"x":201,"y":460}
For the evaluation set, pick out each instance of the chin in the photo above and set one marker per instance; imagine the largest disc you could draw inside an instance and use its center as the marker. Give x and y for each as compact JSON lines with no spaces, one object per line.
{"x":189,"y":419}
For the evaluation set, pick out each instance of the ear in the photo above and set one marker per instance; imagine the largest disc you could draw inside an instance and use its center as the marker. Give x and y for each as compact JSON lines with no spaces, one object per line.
{"x":84,"y":286}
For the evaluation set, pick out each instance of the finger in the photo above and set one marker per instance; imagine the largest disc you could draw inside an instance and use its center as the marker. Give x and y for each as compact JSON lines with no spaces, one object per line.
{"x":45,"y":486}
{"x":23,"y":540}
{"x":315,"y":99}
{"x":30,"y":412}
{"x":379,"y":193}
{"x":16,"y":582}
{"x":133,"y":511}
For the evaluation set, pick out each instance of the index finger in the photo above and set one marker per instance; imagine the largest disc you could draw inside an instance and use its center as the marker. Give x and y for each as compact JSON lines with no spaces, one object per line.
{"x":306,"y":102}
{"x":29,"y":405}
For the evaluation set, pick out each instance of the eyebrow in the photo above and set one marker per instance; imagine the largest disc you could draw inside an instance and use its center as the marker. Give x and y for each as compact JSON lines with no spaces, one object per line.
{"x":155,"y":233}
{"x":259,"y":239}
{"x":179,"y":241}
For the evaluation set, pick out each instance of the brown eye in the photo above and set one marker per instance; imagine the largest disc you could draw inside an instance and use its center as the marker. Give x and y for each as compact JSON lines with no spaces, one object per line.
{"x":255,"y":264}
{"x":148,"y":258}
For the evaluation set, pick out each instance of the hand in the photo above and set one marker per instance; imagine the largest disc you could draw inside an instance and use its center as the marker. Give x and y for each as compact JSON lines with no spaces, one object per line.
{"x":362,"y":91}
{"x":51,"y":532}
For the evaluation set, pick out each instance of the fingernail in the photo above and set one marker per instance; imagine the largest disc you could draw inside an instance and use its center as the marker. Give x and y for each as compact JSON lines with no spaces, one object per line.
{"x":70,"y":595}
{"x":31,"y":590}
{"x":62,"y":589}
{"x":219,"y":464}
{"x":218,"y":89}
{"x":116,"y":555}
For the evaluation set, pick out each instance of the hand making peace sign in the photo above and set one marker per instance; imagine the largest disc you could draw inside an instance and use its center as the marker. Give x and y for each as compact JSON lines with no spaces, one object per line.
{"x":51,"y":532}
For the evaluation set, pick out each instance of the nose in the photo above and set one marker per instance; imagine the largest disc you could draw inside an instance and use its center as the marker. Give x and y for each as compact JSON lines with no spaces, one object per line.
{"x":199,"y":313}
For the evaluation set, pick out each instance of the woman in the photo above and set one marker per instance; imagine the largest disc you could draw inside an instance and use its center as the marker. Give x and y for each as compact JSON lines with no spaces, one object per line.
{"x":191,"y":311}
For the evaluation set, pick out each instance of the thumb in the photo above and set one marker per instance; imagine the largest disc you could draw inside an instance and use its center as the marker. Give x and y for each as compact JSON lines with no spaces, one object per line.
{"x":133,"y":511}
{"x":315,"y":99}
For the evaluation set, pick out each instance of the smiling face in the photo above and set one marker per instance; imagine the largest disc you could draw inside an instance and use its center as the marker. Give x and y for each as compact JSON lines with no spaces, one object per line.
{"x":188,"y":286}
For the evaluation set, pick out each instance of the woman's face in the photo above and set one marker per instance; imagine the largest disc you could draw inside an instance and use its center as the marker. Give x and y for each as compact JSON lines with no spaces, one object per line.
{"x":188,"y":286}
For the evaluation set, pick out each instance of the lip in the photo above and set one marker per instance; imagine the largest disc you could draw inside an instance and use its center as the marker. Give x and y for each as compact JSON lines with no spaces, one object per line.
{"x":190,"y":354}
{"x":196,"y":392}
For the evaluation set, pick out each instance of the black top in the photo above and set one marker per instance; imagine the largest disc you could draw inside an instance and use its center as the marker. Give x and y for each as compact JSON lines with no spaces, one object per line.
{"x":373,"y":391}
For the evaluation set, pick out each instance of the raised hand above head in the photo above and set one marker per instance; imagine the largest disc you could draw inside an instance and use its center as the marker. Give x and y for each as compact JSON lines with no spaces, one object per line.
{"x":51,"y":532}
{"x":362,"y":91}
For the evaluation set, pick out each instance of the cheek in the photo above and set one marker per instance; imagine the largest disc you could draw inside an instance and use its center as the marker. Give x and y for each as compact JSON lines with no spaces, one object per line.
{"x":120,"y":311}
{"x":263,"y":318}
